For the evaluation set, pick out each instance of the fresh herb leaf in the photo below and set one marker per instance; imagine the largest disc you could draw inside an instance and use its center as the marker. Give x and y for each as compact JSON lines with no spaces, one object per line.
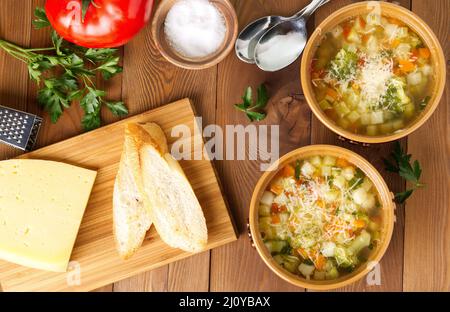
{"x":68,"y":70}
{"x":403,"y":196}
{"x":358,"y":179}
{"x":99,"y":55}
{"x":424,"y":102}
{"x":117,"y":108}
{"x":57,"y":41}
{"x":91,"y":121}
{"x":110,"y":67}
{"x":253,"y":111}
{"x":297,"y":170}
{"x":401,"y":164}
{"x":247,"y":98}
{"x":255,"y":116}
{"x":263,"y":97}
{"x":41,"y":20}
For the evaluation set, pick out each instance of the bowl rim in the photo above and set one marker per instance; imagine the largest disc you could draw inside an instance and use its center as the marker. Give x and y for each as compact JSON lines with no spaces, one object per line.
{"x":193,"y":66}
{"x":386,"y":197}
{"x":425,"y":30}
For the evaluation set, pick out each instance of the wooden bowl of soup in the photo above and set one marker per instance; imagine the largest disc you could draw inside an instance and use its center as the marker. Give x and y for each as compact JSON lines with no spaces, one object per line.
{"x":322,"y":217}
{"x":373,"y":72}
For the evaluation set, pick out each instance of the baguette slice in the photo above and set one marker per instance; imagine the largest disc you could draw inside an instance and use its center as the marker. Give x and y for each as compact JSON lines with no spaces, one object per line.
{"x":131,"y":211}
{"x":175,"y":210}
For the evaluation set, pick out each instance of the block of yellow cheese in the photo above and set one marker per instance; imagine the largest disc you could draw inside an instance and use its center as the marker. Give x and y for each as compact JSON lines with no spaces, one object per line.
{"x":41,"y":207}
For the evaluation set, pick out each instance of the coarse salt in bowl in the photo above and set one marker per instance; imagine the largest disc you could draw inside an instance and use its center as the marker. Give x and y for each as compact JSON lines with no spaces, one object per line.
{"x":195,"y":28}
{"x":195,"y":34}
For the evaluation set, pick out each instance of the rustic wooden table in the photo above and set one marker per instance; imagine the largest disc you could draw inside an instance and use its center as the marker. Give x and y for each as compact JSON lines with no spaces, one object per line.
{"x":419,"y":254}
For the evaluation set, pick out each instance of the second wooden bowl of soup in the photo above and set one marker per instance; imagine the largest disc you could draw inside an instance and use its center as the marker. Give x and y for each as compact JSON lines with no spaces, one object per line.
{"x":322,"y":217}
{"x":373,"y":72}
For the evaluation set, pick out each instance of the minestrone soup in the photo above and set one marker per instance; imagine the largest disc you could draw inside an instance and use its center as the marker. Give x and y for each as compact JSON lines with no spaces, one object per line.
{"x":372,"y":75}
{"x":320,"y":217}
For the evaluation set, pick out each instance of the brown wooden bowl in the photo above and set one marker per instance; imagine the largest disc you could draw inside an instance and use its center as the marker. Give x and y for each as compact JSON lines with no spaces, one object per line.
{"x":231,"y":22}
{"x":390,"y":10}
{"x":385,"y":198}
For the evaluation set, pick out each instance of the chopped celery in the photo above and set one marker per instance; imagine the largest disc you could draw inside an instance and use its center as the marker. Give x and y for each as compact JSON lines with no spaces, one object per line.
{"x":324,"y":105}
{"x":306,"y":269}
{"x":343,"y":122}
{"x":372,"y":130}
{"x":348,"y":173}
{"x":361,"y":241}
{"x":264,"y":210}
{"x":341,"y":109}
{"x":290,"y":263}
{"x":276,"y":246}
{"x":343,"y":258}
{"x":326,"y":171}
{"x":329,"y":160}
{"x":377,"y":117}
{"x":267,"y":198}
{"x":366,"y":119}
{"x":316,"y":161}
{"x":332,"y":274}
{"x":353,"y":116}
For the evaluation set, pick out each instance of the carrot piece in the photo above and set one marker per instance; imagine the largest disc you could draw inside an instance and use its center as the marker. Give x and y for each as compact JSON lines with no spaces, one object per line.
{"x":302,"y":253}
{"x":341,"y":162}
{"x":360,"y":223}
{"x":346,"y":29}
{"x":276,"y":188}
{"x":395,"y":43}
{"x":331,"y":92}
{"x":320,"y":262}
{"x":275,"y":208}
{"x":395,"y":21}
{"x":362,"y":22}
{"x":406,"y":66}
{"x":424,"y":53}
{"x":288,"y":171}
{"x":275,"y":218}
{"x":320,"y":203}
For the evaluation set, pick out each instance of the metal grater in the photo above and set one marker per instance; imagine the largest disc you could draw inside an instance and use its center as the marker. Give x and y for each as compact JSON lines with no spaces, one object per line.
{"x":18,"y":129}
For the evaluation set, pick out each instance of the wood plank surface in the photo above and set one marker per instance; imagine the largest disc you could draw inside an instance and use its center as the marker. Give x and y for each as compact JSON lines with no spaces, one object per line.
{"x":419,"y":255}
{"x":95,"y":254}
{"x":427,"y":225}
{"x":237,"y":266}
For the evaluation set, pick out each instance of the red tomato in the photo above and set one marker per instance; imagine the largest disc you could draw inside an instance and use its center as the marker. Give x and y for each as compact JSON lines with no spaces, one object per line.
{"x":107,"y":23}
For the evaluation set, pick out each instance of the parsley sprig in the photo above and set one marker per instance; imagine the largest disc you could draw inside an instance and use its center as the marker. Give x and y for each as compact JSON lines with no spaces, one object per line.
{"x":65,"y":72}
{"x":254,"y":111}
{"x":410,"y":172}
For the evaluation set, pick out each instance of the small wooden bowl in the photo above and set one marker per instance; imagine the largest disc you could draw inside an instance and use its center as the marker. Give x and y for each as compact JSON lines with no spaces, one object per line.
{"x":386,"y":201}
{"x":387,"y":9}
{"x":231,"y":22}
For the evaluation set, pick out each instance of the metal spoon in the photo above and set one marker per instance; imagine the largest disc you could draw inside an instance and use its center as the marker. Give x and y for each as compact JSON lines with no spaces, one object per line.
{"x":250,"y":35}
{"x":282,"y":44}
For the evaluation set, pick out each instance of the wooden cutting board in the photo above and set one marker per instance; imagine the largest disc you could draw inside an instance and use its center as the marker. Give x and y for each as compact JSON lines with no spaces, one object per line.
{"x":94,"y":260}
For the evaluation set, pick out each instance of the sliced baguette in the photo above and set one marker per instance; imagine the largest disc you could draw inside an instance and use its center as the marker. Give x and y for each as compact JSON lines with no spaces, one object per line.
{"x":131,"y":211}
{"x":174,"y":208}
